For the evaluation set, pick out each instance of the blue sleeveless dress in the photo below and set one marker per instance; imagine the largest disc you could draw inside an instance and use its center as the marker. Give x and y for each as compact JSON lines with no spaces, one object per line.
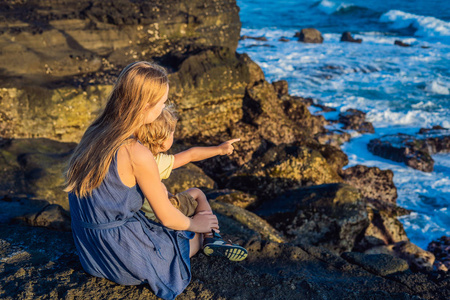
{"x":115,"y":241}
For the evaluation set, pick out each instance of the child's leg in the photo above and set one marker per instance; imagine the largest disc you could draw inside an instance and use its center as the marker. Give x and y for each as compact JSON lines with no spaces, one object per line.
{"x":195,"y":244}
{"x":200,"y":197}
{"x":213,"y":244}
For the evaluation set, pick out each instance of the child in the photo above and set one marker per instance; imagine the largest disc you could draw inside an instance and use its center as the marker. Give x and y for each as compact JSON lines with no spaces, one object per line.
{"x":158,"y":137}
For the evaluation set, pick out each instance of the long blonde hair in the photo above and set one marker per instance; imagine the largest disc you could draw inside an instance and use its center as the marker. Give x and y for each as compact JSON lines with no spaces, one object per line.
{"x":138,"y":85}
{"x":154,"y":135}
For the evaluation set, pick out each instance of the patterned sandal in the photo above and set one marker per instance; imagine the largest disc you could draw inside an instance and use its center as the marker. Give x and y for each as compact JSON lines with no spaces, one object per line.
{"x":216,"y":246}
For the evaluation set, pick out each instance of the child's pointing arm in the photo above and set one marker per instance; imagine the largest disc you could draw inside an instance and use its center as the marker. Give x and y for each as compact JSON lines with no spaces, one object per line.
{"x":201,"y":153}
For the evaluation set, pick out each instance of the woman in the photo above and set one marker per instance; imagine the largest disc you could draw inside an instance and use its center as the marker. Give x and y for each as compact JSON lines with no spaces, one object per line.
{"x":109,"y":175}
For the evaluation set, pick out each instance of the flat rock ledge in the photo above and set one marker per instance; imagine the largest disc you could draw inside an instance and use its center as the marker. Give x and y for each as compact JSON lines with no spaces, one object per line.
{"x":47,"y":267}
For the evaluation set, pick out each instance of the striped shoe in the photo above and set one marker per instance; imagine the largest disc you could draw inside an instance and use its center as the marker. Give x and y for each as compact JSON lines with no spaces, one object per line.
{"x":216,"y":246}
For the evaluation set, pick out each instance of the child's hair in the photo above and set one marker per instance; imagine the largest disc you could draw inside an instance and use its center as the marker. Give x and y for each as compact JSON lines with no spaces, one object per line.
{"x":139,"y":87}
{"x":154,"y":134}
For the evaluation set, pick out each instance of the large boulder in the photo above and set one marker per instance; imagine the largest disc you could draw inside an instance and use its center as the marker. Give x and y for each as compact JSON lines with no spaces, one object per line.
{"x":329,"y":215}
{"x":310,"y":35}
{"x":186,"y":177}
{"x":55,"y":39}
{"x":62,"y":113}
{"x":283,"y":167}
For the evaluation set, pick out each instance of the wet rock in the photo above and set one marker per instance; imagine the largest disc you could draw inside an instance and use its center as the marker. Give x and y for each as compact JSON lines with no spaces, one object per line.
{"x":441,"y":250}
{"x":355,"y":119}
{"x":283,"y":39}
{"x":330,"y":215}
{"x":433,"y":143}
{"x":401,"y":44}
{"x":257,"y":38}
{"x":436,"y":128}
{"x":380,"y":264}
{"x":401,"y":148}
{"x":347,"y":37}
{"x":309,"y":35}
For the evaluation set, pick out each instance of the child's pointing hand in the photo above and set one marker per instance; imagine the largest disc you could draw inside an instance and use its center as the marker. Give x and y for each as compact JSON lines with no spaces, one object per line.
{"x":227,"y":147}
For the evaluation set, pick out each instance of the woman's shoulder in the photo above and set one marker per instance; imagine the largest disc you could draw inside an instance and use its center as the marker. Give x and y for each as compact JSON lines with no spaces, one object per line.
{"x":136,"y":153}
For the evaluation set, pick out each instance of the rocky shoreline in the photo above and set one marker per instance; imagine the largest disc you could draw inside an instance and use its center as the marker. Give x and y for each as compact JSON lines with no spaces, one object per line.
{"x":313,"y":230}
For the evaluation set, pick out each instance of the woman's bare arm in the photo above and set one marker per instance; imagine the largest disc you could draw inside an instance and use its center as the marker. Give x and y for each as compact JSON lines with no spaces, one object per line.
{"x":201,"y":153}
{"x":146,"y":173}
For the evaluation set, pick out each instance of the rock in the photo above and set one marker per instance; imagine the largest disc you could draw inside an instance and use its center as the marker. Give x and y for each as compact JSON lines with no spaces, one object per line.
{"x":433,"y":145}
{"x":35,"y":167}
{"x":283,"y":39}
{"x":401,"y":148}
{"x":417,"y":258}
{"x":333,"y":137}
{"x":329,"y":215}
{"x":433,"y":129}
{"x":355,"y":119}
{"x":201,"y":89}
{"x":376,"y":185}
{"x":260,"y":45}
{"x":187,"y":177}
{"x":347,"y":37}
{"x":401,"y":44}
{"x":259,"y":228}
{"x":379,"y":264}
{"x":280,"y":168}
{"x":441,"y":250}
{"x":281,"y":87}
{"x":63,"y":113}
{"x":384,"y":229}
{"x":52,"y":216}
{"x":47,"y":264}
{"x":309,"y":35}
{"x":305,"y":123}
{"x":42,"y":38}
{"x":259,"y":38}
{"x":17,"y":206}
{"x":237,"y":198}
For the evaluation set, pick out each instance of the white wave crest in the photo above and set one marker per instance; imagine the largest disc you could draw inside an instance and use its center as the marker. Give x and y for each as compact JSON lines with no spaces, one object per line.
{"x":437,"y":87}
{"x":330,"y":7}
{"x":425,"y":26}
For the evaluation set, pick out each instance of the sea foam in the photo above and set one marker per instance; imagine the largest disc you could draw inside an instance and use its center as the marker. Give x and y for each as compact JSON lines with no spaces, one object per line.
{"x":425,"y":26}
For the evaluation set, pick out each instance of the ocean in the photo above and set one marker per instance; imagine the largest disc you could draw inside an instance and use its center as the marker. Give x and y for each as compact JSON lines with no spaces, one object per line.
{"x":402,"y":89}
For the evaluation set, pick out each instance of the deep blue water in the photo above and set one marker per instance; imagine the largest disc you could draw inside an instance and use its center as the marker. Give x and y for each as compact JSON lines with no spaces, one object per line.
{"x":400,"y":89}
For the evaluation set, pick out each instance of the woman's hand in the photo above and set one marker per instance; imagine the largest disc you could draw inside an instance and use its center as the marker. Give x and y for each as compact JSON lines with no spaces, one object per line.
{"x":204,"y":222}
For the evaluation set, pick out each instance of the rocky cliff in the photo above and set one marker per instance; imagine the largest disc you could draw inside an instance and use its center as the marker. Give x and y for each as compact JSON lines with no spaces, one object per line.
{"x":283,"y":193}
